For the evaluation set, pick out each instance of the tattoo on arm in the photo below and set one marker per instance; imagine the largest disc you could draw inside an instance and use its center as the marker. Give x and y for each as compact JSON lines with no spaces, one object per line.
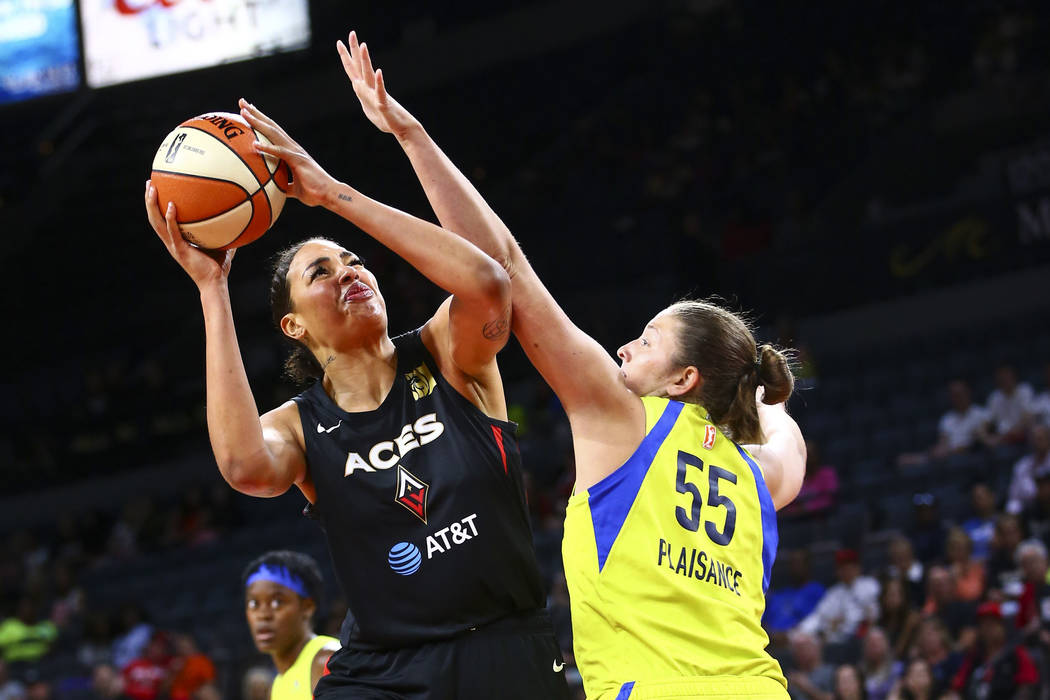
{"x":330,"y":360}
{"x":494,"y":330}
{"x":344,"y":197}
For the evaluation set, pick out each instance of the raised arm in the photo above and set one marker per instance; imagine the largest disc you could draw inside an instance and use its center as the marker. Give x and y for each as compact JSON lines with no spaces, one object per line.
{"x":584,"y":376}
{"x":256,"y":456}
{"x":456,"y":202}
{"x":782,"y":456}
{"x":479,"y":312}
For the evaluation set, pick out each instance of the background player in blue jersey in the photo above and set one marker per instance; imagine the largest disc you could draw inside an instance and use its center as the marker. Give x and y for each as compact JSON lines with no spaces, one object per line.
{"x":402,"y":444}
{"x":692,"y":379}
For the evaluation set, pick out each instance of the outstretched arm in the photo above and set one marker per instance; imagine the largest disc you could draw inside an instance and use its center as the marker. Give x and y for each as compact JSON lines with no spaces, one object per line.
{"x":583,"y":375}
{"x":456,"y":202}
{"x":480,"y":307}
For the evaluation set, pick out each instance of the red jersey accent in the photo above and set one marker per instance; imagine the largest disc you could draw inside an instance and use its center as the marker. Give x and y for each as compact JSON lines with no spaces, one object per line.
{"x":499,"y":442}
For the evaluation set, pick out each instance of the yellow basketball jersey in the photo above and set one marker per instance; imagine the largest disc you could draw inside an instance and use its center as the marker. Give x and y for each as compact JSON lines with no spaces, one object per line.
{"x":667,"y":561}
{"x":294,"y":684}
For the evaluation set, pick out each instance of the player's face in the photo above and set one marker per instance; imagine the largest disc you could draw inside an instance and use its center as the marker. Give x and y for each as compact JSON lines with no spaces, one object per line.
{"x":646,"y":362}
{"x":278,"y":617}
{"x":333,"y":293}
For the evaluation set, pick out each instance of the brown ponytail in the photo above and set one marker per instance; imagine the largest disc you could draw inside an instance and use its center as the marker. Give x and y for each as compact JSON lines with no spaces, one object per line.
{"x":775,"y":375}
{"x":722,"y":347}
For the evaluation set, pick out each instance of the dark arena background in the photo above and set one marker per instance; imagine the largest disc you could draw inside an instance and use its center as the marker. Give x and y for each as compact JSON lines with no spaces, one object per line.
{"x":870,"y":181}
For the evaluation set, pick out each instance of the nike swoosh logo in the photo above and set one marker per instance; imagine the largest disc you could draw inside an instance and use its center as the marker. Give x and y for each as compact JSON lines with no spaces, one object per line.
{"x":558,"y":666}
{"x":321,"y":429}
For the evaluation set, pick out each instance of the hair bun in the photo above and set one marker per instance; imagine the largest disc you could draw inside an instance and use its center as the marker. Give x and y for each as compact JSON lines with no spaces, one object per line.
{"x":774,"y":374}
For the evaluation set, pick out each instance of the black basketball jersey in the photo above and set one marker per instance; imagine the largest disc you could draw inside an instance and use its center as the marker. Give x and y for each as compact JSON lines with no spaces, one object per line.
{"x":424,"y":507}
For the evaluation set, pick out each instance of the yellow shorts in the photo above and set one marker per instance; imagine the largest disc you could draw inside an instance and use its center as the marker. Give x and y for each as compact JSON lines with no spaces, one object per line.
{"x":701,"y":687}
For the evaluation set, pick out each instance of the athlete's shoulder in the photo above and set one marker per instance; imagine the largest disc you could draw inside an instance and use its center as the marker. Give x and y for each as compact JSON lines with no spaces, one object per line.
{"x":307,"y":395}
{"x":323,"y":647}
{"x":285,"y":418}
{"x":326,"y":643}
{"x":655,"y":407}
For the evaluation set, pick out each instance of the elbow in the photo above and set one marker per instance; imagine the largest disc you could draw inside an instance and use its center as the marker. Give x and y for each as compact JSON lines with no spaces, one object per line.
{"x":248,"y":476}
{"x":494,"y":283}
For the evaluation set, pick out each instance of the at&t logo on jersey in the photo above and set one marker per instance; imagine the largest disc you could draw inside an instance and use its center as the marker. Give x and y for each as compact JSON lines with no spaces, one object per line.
{"x":386,"y":453}
{"x":406,"y":559}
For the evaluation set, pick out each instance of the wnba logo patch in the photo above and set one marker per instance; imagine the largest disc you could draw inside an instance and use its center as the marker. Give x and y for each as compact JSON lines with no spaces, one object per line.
{"x":709,"y":436}
{"x":405,"y":558}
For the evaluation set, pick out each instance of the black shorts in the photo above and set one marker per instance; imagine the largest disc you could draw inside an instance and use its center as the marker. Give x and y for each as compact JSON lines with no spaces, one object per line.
{"x":511,"y":659}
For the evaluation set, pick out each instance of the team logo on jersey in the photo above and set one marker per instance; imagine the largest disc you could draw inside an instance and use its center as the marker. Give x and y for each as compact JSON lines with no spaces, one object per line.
{"x":412,"y":492}
{"x":405,"y":558}
{"x":386,"y":453}
{"x":709,"y":436}
{"x":421,"y":382}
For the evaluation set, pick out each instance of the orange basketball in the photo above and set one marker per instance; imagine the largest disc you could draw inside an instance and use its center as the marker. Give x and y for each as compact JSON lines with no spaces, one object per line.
{"x":226,"y":195}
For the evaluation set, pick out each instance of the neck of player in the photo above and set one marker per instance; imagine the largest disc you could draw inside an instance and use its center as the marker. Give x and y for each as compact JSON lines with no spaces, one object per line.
{"x":359,"y":379}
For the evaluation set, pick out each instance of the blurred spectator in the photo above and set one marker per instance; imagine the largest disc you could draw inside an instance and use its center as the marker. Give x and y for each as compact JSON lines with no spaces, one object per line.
{"x":208,"y":691}
{"x":192,"y":520}
{"x":66,"y":544}
{"x":880,"y":669}
{"x":1036,"y":518}
{"x":956,"y":615}
{"x":904,"y":566}
{"x":39,"y":689}
{"x":787,"y":606}
{"x":1010,"y":405}
{"x":24,"y":637}
{"x":981,"y":525}
{"x":107,"y":683}
{"x":191,"y":668}
{"x":96,"y":646}
{"x":256,"y":683}
{"x":852,"y":601}
{"x":820,"y":486}
{"x":897,"y":616}
{"x":1034,"y":602}
{"x":967,"y":571}
{"x":927,"y":530}
{"x":963,"y":427}
{"x":850,"y":684}
{"x":134,"y":636}
{"x":148,"y":675}
{"x":996,"y":669}
{"x":1003,"y":574}
{"x":916,"y":683}
{"x":1041,"y":402}
{"x":10,"y":689}
{"x":68,"y":599}
{"x":811,"y":678}
{"x":1022,"y":483}
{"x":934,"y":645}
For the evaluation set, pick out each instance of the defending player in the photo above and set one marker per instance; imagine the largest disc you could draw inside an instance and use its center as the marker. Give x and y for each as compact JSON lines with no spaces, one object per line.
{"x":402,"y":445}
{"x":281,"y":592}
{"x":670,"y":534}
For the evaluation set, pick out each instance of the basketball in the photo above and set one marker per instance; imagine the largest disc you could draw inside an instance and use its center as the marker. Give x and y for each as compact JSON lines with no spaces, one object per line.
{"x":226,"y":195}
